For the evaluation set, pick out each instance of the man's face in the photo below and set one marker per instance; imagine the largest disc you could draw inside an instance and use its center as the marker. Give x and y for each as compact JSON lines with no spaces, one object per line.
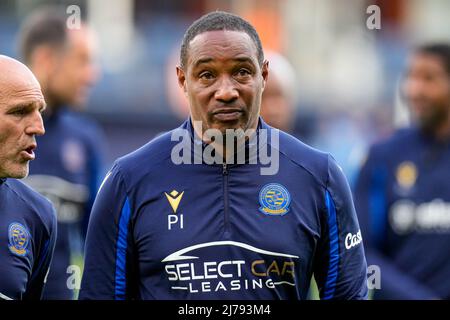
{"x":74,"y":72}
{"x":223,"y":80}
{"x":427,"y":90}
{"x":21,"y":104}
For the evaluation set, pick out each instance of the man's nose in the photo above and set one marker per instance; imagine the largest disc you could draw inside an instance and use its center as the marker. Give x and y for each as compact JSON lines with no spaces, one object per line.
{"x":226,"y":90}
{"x":35,"y":125}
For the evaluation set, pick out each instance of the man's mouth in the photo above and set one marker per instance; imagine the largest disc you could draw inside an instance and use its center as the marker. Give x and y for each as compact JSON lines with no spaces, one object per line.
{"x":28,"y":153}
{"x":227,"y":114}
{"x":419,"y":104}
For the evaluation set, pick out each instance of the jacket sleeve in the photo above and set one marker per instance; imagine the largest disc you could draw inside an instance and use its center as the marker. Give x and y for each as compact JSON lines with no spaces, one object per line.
{"x":370,"y":202}
{"x":38,"y":278}
{"x":340,"y":267}
{"x":107,"y":249}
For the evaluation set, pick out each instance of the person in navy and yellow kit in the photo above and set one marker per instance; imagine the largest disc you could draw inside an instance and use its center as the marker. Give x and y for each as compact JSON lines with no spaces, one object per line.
{"x":27,"y":220}
{"x":164,"y":229}
{"x":402,"y":195}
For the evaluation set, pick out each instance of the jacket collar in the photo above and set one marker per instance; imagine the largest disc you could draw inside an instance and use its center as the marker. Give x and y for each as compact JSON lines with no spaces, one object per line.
{"x":252,"y":146}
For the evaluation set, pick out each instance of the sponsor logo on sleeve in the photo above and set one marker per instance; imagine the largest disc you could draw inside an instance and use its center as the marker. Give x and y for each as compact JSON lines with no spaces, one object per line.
{"x":352,"y":240}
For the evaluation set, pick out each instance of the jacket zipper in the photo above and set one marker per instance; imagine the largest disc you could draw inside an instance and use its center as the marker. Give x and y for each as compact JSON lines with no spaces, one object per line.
{"x":225,"y":198}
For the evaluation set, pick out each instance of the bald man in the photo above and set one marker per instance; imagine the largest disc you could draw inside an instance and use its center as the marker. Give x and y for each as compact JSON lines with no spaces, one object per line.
{"x":27,"y":220}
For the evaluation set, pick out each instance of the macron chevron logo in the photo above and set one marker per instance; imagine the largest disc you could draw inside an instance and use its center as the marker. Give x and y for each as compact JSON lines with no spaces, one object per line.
{"x":174,"y":199}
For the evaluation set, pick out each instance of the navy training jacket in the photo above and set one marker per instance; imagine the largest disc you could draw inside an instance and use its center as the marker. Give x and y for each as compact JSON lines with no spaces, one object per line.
{"x":402,"y":197}
{"x":27,"y":240}
{"x":159,"y":230}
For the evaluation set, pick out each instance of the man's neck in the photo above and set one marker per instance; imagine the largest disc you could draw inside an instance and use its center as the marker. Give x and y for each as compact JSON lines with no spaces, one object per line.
{"x":228,"y":150}
{"x":441,"y":133}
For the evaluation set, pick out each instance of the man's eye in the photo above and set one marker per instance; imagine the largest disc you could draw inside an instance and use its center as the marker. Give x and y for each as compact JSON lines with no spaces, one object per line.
{"x":243,"y":72}
{"x":206,"y":75}
{"x":19,"y":112}
{"x":429,"y":77}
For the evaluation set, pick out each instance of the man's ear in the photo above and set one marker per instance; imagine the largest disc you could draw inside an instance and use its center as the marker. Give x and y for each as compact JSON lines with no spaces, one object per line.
{"x":43,"y":56}
{"x":44,"y":60}
{"x":265,"y":72}
{"x":181,"y":79}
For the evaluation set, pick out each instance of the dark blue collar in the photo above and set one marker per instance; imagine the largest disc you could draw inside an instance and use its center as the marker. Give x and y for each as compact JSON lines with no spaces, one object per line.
{"x":196,"y":140}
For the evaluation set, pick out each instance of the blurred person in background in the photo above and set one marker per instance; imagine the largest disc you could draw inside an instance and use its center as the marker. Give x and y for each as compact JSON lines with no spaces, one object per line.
{"x":278,"y":105}
{"x":279,"y":100}
{"x":69,"y":163}
{"x":402,"y":194}
{"x":27,"y":219}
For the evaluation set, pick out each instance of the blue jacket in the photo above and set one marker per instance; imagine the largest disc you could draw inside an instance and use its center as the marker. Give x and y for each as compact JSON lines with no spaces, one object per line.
{"x":164,"y":231}
{"x":402,"y":197}
{"x":27,"y":240}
